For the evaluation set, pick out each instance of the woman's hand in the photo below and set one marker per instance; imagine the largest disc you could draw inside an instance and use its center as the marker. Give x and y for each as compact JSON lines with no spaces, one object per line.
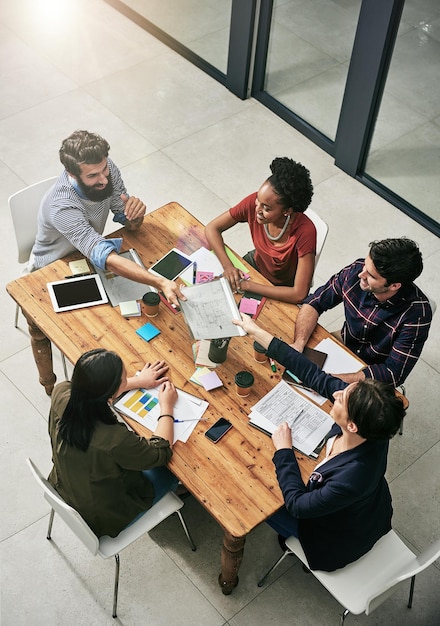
{"x":152,"y":374}
{"x":247,"y":324}
{"x":167,"y":397}
{"x":234,"y":277}
{"x":282,"y":437}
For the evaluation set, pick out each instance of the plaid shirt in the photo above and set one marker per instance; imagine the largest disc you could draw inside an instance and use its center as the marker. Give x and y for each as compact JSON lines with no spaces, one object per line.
{"x":388,"y":336}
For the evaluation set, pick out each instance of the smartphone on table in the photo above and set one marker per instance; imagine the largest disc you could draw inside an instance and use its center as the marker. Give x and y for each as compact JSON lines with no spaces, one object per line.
{"x":217,"y":430}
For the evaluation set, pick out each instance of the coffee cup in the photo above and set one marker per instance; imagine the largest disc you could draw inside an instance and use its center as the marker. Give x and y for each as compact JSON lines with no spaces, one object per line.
{"x":243,"y":383}
{"x":259,"y":353}
{"x":151,"y":302}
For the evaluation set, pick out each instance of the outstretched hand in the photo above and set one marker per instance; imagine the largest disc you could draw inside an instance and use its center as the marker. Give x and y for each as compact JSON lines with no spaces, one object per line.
{"x":247,"y":324}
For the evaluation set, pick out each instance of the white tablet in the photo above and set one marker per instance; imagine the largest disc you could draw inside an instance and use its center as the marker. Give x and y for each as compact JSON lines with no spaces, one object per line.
{"x":171,"y":265}
{"x":77,"y":293}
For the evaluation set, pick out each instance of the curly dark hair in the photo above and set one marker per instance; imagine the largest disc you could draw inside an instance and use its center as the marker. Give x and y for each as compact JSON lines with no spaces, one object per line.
{"x":82,"y":147}
{"x":291,"y":181}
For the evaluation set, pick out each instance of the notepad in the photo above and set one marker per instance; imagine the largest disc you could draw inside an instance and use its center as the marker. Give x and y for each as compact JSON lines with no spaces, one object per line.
{"x":148,"y":331}
{"x":131,"y":308}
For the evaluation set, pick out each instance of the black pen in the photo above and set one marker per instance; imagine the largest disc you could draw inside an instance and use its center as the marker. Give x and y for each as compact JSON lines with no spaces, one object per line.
{"x":77,"y":275}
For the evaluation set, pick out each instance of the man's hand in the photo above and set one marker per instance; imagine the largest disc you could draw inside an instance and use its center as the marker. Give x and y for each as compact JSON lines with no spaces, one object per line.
{"x":282,"y":437}
{"x":134,"y":209}
{"x":171,"y":291}
{"x":351,"y":378}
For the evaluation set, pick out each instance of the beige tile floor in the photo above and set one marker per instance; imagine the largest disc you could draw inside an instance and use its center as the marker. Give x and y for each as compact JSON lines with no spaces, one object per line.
{"x":177,"y":135}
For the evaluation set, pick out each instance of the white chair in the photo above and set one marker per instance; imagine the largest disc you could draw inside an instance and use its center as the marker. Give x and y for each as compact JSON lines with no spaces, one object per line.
{"x":363,"y":585}
{"x":321,"y":232}
{"x":106,"y":546}
{"x":24,"y":206}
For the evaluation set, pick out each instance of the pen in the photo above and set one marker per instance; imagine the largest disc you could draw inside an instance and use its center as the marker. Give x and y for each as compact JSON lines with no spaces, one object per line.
{"x":273,"y":367}
{"x":194,"y":272}
{"x":194,"y":419}
{"x":295,"y":378}
{"x":77,"y":275}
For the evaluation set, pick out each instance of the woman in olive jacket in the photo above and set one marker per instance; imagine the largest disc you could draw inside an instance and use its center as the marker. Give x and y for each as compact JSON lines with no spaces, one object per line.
{"x":98,"y":462}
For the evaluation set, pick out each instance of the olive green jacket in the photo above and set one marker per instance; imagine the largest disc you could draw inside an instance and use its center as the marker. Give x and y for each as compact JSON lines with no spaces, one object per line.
{"x":105,"y":483}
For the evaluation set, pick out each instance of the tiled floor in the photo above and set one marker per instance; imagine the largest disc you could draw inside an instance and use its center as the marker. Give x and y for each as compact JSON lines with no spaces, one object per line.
{"x":177,"y":135}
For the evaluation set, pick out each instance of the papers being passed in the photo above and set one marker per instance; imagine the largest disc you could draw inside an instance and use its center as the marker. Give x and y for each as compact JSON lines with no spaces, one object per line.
{"x":142,"y":405}
{"x":209,"y":310}
{"x":308,"y":422}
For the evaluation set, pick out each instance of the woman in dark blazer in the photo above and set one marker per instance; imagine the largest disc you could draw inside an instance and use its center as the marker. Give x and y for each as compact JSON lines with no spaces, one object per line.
{"x":345,"y":507}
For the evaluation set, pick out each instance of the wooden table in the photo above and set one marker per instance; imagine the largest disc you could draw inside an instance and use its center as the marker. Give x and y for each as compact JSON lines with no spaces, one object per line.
{"x":235,"y":479}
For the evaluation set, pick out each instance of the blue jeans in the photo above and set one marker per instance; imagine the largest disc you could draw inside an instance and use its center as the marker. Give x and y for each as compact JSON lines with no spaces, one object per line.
{"x":283,"y":523}
{"x":163,"y":481}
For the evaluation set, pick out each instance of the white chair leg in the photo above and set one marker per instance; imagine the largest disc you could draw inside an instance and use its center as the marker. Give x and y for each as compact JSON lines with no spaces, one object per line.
{"x":185,"y":528}
{"x":282,"y":557}
{"x":17,"y":311}
{"x":115,"y":591}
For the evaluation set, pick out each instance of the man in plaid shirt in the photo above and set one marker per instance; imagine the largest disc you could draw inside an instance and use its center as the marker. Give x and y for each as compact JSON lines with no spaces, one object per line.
{"x":387,"y":317}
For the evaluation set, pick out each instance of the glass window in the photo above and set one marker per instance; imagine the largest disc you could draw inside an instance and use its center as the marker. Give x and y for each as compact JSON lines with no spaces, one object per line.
{"x":404,"y":154}
{"x":200,"y":25}
{"x":309,"y":52}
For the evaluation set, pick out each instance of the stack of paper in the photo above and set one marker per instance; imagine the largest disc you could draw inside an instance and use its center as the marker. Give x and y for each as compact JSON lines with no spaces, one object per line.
{"x":308,"y":422}
{"x":131,"y":308}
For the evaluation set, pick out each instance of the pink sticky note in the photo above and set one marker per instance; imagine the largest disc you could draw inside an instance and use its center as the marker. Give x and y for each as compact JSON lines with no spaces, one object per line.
{"x":248,"y":305}
{"x":210,"y":381}
{"x":204,"y":277}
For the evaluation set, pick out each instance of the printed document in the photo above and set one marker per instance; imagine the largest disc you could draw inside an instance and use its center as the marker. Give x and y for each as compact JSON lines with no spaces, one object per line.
{"x":309,"y":423}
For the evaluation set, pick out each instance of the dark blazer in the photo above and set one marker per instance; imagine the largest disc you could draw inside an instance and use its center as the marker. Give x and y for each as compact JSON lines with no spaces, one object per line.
{"x":348,"y":508}
{"x":105,"y":483}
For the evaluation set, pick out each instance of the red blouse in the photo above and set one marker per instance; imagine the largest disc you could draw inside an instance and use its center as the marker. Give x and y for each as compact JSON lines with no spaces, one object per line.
{"x":277,"y":263}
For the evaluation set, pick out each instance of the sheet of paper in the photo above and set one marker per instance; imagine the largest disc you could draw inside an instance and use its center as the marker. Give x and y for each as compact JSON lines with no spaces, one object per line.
{"x":142,"y":405}
{"x":209,"y":309}
{"x":338,"y":360}
{"x":207,"y":261}
{"x":309,"y":423}
{"x":248,"y":305}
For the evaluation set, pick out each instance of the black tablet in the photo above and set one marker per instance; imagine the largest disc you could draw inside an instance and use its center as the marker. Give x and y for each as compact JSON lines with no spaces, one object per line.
{"x":171,"y":265}
{"x":77,"y":293}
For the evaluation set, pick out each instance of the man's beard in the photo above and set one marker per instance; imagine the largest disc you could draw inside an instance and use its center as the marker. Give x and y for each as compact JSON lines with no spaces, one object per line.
{"x":96,"y":195}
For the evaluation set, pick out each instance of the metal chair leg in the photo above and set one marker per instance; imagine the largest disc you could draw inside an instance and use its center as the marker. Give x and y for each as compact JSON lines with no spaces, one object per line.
{"x":63,"y":359}
{"x":115,"y":591}
{"x":185,"y":528}
{"x":49,"y":528}
{"x":280,"y":560}
{"x":17,"y":311}
{"x":343,"y":616}
{"x":411,"y":592}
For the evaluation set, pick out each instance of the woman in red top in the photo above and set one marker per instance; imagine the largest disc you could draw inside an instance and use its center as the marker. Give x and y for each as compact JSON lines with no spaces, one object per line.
{"x":284,"y":238}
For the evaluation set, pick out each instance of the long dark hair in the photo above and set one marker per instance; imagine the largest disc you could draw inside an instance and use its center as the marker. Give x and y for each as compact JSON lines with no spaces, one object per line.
{"x":96,"y":378}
